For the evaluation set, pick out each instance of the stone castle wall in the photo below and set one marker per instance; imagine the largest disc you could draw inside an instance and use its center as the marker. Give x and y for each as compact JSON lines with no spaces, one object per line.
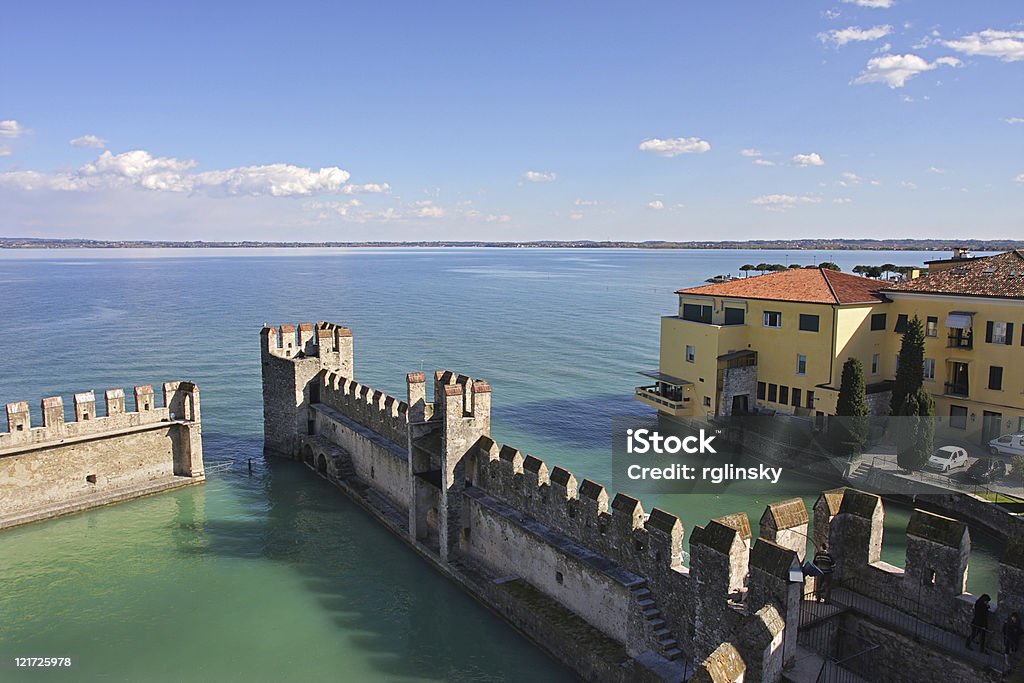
{"x":471,"y":502}
{"x":67,"y":465}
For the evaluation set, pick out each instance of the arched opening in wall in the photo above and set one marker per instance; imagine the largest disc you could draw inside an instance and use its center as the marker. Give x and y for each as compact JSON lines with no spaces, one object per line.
{"x":188,"y":412}
{"x":321,"y":464}
{"x":307,"y":455}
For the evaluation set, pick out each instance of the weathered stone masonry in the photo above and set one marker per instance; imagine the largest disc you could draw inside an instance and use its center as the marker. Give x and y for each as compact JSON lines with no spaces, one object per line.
{"x":565,"y":562}
{"x":65,"y":466}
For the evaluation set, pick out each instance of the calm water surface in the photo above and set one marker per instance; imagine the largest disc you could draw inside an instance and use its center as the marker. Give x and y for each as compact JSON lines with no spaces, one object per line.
{"x":277,"y":575}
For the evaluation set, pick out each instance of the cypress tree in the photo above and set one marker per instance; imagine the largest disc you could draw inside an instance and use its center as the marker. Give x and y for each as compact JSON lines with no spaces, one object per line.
{"x":910,"y":374}
{"x":849,"y":430}
{"x":915,"y":438}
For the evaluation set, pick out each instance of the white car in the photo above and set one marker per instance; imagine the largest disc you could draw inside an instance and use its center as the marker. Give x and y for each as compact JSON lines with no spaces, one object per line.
{"x":946,"y":458}
{"x":1007,"y":444}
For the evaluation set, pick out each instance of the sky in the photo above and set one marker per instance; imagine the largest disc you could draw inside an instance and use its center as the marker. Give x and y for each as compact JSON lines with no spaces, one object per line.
{"x":512,"y":121}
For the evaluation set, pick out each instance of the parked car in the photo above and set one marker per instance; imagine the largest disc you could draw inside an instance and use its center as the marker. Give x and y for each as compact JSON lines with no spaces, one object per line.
{"x":986,"y":470}
{"x":1007,"y":444}
{"x":946,"y":458}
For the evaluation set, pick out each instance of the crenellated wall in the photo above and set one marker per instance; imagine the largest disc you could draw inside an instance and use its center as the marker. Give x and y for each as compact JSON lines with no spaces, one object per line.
{"x":733,"y":604}
{"x":66,"y":465}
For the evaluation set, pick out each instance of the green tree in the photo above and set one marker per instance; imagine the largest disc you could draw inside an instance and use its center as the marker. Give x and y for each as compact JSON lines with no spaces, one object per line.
{"x":861,"y":270}
{"x":915,"y":430}
{"x":829,"y":265}
{"x":763,"y":267}
{"x":887,"y":268}
{"x":849,"y":429}
{"x":746,"y":268}
{"x":910,"y":371}
{"x":794,"y":265}
{"x":776,"y":267}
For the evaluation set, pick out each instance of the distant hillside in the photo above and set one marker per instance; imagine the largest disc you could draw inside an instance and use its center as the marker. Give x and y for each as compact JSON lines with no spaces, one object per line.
{"x":809,"y":244}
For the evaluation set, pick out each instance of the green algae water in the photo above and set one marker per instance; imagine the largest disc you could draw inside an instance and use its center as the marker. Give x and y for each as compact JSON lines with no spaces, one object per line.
{"x":276,"y":575}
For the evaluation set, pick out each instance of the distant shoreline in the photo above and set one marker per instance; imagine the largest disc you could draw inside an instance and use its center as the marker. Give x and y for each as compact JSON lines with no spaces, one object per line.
{"x":797,"y":245}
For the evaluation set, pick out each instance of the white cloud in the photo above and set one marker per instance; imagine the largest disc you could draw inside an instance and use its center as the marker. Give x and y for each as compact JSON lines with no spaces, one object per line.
{"x":854,"y":34}
{"x":675,"y":146}
{"x":882,"y":49}
{"x":88,"y":141}
{"x":1013,"y":120}
{"x":936,"y":169}
{"x":138,"y":169}
{"x":896,"y":70}
{"x":877,"y":4}
{"x":367,"y":188}
{"x":750,"y":152}
{"x":831,"y":14}
{"x":5,"y":151}
{"x":908,"y":185}
{"x":1007,"y":46}
{"x":848,"y":179}
{"x":585,"y":202}
{"x":783,"y":202}
{"x":812,"y":159}
{"x":11,"y":129}
{"x":539,"y":177}
{"x":1020,"y":178}
{"x":842,"y":200}
{"x":764,"y":162}
{"x":576,"y":216}
{"x":657,"y":205}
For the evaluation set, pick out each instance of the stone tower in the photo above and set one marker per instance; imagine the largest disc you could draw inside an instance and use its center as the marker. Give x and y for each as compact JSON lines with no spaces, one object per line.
{"x":291,"y":358}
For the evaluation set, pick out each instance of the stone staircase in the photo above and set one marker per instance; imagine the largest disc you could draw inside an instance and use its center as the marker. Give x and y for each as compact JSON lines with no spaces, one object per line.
{"x":669,"y":646}
{"x":858,"y":476}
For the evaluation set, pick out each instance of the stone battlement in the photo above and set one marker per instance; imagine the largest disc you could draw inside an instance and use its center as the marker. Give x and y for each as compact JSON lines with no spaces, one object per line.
{"x":67,"y":465}
{"x":369,"y":407}
{"x":624,"y":571}
{"x":180,"y":402}
{"x":288,"y":341}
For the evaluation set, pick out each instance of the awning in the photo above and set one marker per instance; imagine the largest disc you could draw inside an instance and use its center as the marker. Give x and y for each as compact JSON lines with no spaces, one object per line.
{"x":667,"y":379}
{"x":960,"y":321}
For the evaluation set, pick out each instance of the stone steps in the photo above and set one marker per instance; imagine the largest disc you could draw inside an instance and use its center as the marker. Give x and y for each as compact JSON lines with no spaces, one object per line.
{"x":667,"y":643}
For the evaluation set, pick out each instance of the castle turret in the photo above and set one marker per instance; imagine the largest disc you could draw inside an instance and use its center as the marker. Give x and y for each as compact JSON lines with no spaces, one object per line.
{"x":292,"y":356}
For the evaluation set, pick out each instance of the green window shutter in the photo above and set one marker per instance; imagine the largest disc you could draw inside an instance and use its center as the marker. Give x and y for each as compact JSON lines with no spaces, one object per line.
{"x":1009,"y":333}
{"x":988,"y":331}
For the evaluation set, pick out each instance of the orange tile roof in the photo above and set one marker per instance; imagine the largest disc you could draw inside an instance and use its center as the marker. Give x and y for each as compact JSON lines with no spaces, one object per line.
{"x":999,"y":275}
{"x":805,"y":285}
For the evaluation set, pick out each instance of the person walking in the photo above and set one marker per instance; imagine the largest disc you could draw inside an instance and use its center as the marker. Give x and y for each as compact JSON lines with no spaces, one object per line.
{"x":826,"y":565}
{"x":979,"y":623}
{"x":1012,"y":631}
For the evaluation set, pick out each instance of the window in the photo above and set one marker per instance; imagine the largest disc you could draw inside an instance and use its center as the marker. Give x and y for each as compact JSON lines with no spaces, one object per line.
{"x":796,"y":397}
{"x":784,"y":395}
{"x":772,"y":319}
{"x":995,"y":377}
{"x":691,"y":353}
{"x":896,"y":365}
{"x":809,"y":323}
{"x":929,"y":368}
{"x":999,"y":332}
{"x":810,"y":398}
{"x":559,"y":577}
{"x":773,"y":393}
{"x":901,"y":323}
{"x":91,"y":478}
{"x":697,"y":313}
{"x":875,"y":360}
{"x":958,"y":417}
{"x":931,"y":327}
{"x":707,"y":401}
{"x":801,"y":364}
{"x":735,"y":316}
{"x":761,"y":387}
{"x":877,"y":322}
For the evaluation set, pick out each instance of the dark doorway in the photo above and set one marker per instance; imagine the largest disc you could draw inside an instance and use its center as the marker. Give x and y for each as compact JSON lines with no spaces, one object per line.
{"x":739,"y":404}
{"x":991,"y":424}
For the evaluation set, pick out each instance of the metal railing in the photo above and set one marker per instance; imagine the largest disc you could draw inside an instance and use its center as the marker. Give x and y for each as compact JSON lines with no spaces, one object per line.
{"x":960,"y":341}
{"x":956,"y":389}
{"x":945,"y":481}
{"x":650,"y":393}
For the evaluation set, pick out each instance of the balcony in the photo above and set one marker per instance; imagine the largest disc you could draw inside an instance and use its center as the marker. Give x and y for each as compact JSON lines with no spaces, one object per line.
{"x":961,"y":339}
{"x":678,"y":404}
{"x":959,"y":389}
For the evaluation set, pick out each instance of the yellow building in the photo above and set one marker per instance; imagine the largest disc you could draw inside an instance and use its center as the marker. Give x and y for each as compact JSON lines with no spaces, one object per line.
{"x":777,"y":342}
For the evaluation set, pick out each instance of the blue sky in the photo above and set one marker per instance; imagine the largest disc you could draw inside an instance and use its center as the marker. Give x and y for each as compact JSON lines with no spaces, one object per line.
{"x":535,"y":120}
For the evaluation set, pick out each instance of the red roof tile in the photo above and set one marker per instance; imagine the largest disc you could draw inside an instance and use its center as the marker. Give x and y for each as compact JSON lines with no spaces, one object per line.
{"x":808,"y":285}
{"x":1000,"y":275}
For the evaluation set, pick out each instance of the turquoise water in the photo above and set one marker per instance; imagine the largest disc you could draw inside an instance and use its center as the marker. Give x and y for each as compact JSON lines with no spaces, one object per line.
{"x":277,"y":575}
